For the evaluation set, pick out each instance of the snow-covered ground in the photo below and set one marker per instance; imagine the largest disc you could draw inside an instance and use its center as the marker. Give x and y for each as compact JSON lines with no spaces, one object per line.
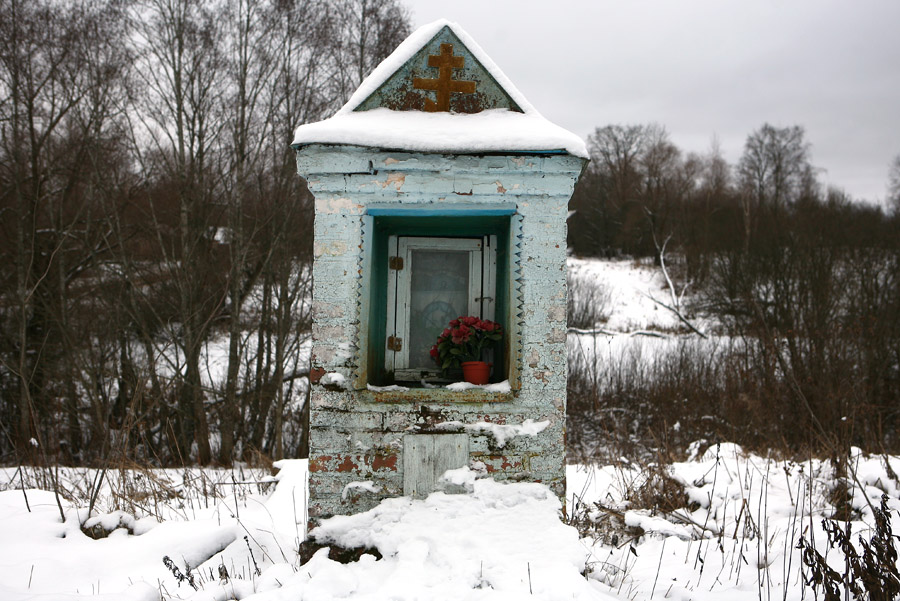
{"x":187,"y":515}
{"x":721,"y":525}
{"x":626,"y":290}
{"x":736,"y":538}
{"x":634,"y":327}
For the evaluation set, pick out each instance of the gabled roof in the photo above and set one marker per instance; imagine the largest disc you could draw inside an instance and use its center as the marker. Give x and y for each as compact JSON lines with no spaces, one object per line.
{"x":391,"y":84}
{"x":488,"y":114}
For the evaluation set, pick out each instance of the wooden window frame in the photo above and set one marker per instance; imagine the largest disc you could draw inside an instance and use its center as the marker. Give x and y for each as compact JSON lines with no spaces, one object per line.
{"x":482,"y":294}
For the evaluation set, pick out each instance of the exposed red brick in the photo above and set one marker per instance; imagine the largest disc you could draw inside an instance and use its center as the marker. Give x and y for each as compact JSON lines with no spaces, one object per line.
{"x":319,"y":463}
{"x":506,"y":463}
{"x":385,"y":462}
{"x":315,"y":374}
{"x":500,"y":463}
{"x":347,"y":465}
{"x":492,"y":419}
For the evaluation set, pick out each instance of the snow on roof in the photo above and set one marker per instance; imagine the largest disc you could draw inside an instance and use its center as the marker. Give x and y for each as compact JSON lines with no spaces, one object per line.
{"x":487,"y":131}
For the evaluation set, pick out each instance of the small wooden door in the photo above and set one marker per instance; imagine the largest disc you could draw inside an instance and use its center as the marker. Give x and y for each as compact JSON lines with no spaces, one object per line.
{"x":427,"y":456}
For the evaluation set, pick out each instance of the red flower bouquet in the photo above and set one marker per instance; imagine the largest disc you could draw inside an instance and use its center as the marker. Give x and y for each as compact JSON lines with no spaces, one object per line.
{"x":464,"y":340}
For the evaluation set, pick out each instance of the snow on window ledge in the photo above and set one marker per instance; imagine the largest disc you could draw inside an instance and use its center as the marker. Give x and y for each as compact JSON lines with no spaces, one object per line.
{"x":391,"y":388}
{"x":502,"y":387}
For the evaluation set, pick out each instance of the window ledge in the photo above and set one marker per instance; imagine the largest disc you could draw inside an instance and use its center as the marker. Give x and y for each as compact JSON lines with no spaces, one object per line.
{"x":435,"y":395}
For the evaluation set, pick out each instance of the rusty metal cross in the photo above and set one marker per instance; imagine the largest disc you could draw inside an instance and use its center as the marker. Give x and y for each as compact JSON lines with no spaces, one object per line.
{"x":444,"y":84}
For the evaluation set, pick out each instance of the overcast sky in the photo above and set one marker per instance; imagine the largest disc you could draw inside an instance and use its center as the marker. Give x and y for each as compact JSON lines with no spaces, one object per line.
{"x":705,"y":68}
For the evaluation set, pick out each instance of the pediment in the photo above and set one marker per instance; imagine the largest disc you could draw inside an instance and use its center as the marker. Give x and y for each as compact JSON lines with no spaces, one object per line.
{"x":444,"y":74}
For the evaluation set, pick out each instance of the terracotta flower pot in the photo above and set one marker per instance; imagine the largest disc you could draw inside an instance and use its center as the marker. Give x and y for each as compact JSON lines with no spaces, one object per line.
{"x":476,"y":372}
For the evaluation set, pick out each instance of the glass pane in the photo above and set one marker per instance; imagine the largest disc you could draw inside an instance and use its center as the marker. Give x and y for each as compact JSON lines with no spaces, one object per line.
{"x":439,"y":292}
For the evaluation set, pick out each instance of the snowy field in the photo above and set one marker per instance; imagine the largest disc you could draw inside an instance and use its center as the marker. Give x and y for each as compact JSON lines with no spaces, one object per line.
{"x":735,"y":539}
{"x":634,"y":326}
{"x":625,"y":290}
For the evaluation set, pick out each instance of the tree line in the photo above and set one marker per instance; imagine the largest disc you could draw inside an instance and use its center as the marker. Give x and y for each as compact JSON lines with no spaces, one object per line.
{"x":803,"y":282}
{"x":150,"y":211}
{"x":155,"y":240}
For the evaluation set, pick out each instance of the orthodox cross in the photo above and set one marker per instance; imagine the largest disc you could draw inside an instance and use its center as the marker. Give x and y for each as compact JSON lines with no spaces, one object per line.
{"x":445,"y":62}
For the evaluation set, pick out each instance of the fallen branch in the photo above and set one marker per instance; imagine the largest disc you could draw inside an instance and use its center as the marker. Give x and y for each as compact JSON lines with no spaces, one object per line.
{"x":603,"y":332}
{"x":679,"y":315}
{"x":675,"y":307}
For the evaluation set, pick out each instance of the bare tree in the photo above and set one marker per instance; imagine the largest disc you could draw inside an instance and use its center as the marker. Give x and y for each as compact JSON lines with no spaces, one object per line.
{"x":774,"y":164}
{"x":715,"y":176}
{"x":612,"y":181}
{"x":894,"y":184}
{"x":250,"y":64}
{"x":667,"y":181}
{"x":641,"y":179}
{"x":617,"y":151}
{"x":706,"y":223}
{"x":362,"y":34}
{"x":297,"y":98}
{"x":60,"y":80}
{"x":181,"y":65}
{"x":145,"y":176}
{"x":773,"y":171}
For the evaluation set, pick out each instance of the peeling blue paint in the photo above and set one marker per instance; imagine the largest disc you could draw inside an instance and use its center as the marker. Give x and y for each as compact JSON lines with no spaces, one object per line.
{"x":355,"y":420}
{"x":518,"y":203}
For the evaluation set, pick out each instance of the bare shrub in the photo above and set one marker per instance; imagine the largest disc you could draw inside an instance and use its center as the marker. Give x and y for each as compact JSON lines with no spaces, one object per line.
{"x":870,"y":575}
{"x":658,"y":396}
{"x":647,"y":397}
{"x":818,"y":308}
{"x":659,"y":492}
{"x":809,"y":359}
{"x":588,"y":302}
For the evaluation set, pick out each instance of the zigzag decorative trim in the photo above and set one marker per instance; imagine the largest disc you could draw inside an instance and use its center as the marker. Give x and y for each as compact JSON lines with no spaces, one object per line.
{"x":517,"y":300}
{"x":364,"y":265}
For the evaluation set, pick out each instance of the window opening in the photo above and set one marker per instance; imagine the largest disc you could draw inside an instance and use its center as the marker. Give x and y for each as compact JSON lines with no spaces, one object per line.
{"x":432,"y":280}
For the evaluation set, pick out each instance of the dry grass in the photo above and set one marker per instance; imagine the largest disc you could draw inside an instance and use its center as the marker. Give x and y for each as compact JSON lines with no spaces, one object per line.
{"x":588,"y":304}
{"x":141,"y":491}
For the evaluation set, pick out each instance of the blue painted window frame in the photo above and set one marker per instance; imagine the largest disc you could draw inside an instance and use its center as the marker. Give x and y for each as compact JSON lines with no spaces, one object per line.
{"x":443,"y":223}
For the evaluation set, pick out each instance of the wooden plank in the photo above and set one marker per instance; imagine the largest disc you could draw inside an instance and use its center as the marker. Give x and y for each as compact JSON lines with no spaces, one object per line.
{"x":427,"y":456}
{"x":418,"y":465}
{"x":451,"y":451}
